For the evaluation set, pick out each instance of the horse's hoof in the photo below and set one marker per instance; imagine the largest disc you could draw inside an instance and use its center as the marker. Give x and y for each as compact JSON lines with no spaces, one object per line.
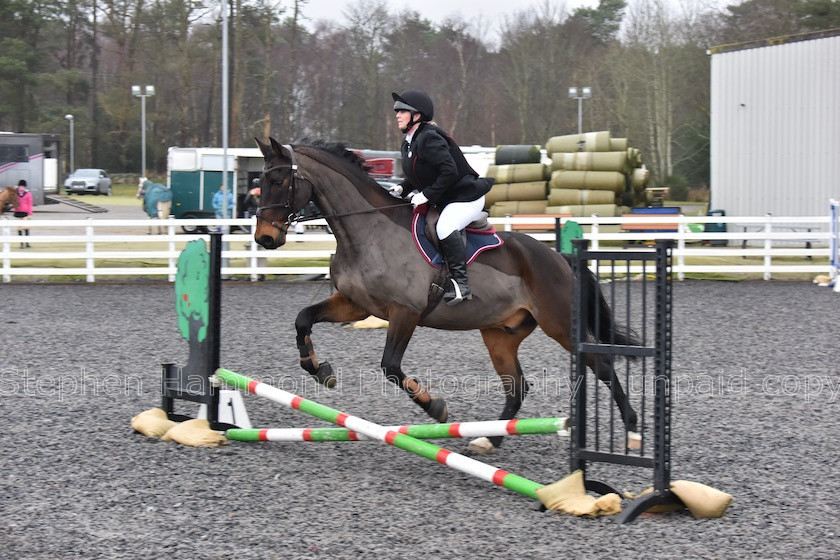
{"x":438,"y":409}
{"x":325,"y":375}
{"x":481,"y":446}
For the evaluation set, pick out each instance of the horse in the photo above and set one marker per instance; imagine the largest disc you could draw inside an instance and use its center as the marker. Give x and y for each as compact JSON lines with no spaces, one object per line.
{"x":377,"y":270}
{"x":157,"y":200}
{"x":9,"y":196}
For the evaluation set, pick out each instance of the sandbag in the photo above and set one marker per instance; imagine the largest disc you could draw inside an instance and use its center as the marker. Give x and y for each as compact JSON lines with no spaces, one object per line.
{"x":518,"y":173}
{"x":515,"y":153}
{"x":562,"y":197}
{"x":596,"y":180}
{"x":701,"y":500}
{"x":586,"y":142}
{"x":152,"y":423}
{"x":604,"y":210}
{"x":535,"y":190}
{"x":590,"y":161}
{"x":195,"y":433}
{"x":569,"y":495}
{"x":513,"y":207}
{"x":371,"y":322}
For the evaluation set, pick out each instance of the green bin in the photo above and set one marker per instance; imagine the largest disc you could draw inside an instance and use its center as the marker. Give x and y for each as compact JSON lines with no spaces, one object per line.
{"x":718,"y":227}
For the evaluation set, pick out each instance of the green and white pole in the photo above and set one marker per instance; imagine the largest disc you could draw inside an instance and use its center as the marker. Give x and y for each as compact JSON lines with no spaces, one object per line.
{"x":368,"y":429}
{"x":420,"y":431}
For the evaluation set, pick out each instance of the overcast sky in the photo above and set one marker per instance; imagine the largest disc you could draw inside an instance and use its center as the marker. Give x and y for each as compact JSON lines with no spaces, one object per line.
{"x":487,"y":14}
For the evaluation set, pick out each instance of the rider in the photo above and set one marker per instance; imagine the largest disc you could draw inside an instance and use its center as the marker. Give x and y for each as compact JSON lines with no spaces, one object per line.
{"x":437,"y":172}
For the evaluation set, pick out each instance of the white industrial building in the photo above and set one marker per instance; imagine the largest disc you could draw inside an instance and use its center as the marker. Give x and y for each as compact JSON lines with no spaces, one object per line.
{"x":775,"y":125}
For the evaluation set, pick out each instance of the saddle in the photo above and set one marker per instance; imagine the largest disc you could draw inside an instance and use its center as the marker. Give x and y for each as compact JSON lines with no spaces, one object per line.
{"x":479,"y":236}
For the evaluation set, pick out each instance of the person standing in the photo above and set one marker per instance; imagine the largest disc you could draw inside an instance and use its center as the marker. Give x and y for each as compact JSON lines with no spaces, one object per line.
{"x":24,"y":210}
{"x":219,"y":204}
{"x":437,"y":172}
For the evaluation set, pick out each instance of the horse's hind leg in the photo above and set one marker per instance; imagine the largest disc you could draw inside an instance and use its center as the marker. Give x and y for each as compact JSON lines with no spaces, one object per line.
{"x":602,"y":366}
{"x":334,"y":309}
{"x":503,"y":346}
{"x":401,"y":325}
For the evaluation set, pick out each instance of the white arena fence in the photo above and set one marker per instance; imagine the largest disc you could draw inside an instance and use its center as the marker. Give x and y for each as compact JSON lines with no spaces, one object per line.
{"x":96,"y":248}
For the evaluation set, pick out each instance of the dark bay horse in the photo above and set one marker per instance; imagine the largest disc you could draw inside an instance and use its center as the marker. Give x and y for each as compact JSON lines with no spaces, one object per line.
{"x":377,"y":270}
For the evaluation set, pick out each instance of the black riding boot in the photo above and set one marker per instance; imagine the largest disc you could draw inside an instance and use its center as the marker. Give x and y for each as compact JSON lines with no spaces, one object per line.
{"x":454,"y":251}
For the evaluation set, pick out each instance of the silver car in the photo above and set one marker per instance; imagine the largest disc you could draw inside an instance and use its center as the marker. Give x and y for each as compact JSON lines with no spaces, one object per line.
{"x":95,"y":181}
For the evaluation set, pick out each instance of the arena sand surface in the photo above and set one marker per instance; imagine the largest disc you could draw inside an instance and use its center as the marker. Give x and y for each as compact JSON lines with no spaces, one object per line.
{"x":755,"y":414}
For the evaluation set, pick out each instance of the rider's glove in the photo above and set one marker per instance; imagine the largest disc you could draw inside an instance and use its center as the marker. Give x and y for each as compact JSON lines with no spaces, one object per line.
{"x":418,"y":199}
{"x":396,"y":190}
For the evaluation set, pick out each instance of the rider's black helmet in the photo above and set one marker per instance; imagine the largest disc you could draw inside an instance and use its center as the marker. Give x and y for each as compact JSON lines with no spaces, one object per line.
{"x":416,"y":101}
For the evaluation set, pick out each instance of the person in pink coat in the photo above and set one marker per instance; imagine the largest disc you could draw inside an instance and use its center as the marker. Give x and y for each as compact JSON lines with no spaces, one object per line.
{"x":24,"y":210}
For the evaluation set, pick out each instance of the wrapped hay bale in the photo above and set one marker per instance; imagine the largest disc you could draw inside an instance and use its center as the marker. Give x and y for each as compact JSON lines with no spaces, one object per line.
{"x":634,"y":157}
{"x":639,"y":178}
{"x":534,"y":190}
{"x":584,"y":209}
{"x":590,"y":161}
{"x":152,"y":423}
{"x":562,"y":197}
{"x":618,"y":144}
{"x":513,"y":207}
{"x":514,"y":153}
{"x":195,"y":433}
{"x":595,"y":180}
{"x":518,"y":173}
{"x":586,"y":142}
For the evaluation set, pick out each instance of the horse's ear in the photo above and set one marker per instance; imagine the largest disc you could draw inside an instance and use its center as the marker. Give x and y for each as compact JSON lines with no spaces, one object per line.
{"x":264,"y":148}
{"x":276,"y":147}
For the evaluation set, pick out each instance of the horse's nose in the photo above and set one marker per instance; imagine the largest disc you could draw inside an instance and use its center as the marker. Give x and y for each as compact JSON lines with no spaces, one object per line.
{"x":267,"y":241}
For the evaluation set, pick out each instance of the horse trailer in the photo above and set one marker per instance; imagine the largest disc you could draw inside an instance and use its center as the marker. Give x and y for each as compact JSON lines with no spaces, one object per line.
{"x":31,"y":157}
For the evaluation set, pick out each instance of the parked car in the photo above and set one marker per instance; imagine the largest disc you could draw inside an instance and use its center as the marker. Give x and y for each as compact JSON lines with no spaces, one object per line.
{"x":83,"y":181}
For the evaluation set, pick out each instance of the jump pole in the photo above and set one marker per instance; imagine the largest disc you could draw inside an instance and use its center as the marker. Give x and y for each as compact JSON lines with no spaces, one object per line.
{"x":405,"y":442}
{"x":420,"y":431}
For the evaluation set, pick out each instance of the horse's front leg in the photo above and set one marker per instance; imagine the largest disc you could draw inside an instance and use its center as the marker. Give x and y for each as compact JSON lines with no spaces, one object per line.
{"x":401,"y":325}
{"x":334,"y":309}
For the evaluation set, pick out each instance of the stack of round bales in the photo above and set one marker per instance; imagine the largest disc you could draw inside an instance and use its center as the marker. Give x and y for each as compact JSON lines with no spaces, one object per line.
{"x":593,"y":173}
{"x":521,"y":185}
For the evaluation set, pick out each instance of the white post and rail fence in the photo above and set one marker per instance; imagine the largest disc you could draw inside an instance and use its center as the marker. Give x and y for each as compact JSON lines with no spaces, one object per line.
{"x":105,"y":249}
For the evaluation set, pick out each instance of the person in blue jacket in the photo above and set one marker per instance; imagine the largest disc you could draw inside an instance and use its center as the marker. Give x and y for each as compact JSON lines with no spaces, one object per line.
{"x":218,"y":203}
{"x":436,"y":172}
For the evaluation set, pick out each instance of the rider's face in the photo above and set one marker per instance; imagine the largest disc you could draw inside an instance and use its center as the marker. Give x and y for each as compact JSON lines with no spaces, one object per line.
{"x":403,"y":118}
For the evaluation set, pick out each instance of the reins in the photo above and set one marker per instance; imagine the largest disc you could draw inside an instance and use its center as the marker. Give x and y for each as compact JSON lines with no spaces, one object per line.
{"x":294,"y":217}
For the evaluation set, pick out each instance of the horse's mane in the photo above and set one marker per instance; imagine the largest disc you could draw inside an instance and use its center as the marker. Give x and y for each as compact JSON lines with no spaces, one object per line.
{"x":337,"y":149}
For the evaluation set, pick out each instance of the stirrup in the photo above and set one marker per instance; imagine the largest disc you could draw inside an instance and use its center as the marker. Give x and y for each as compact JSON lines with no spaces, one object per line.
{"x":456,"y":296}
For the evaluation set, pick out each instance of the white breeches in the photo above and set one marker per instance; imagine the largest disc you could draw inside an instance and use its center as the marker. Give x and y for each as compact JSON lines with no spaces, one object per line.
{"x":455,"y":216}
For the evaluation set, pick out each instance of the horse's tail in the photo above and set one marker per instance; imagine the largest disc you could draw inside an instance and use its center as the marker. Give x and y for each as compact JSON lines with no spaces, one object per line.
{"x":599,"y":315}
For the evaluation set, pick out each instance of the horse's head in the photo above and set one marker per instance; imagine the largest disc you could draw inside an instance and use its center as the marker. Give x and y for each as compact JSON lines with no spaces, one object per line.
{"x":283,"y":193}
{"x":9,"y":198}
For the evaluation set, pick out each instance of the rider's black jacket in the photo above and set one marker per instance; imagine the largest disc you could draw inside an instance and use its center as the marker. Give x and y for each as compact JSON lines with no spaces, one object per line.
{"x":434,"y":164}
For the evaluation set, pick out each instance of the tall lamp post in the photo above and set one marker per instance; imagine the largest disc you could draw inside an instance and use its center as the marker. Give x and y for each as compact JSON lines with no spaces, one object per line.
{"x":69,"y":117}
{"x":146,"y":91}
{"x":580,"y":94}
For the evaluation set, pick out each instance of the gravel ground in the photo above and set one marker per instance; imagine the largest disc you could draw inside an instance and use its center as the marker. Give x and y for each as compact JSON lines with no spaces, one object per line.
{"x":755,"y":414}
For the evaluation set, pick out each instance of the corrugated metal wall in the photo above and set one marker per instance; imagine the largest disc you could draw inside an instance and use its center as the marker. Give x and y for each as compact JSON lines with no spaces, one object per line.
{"x":775,"y":128}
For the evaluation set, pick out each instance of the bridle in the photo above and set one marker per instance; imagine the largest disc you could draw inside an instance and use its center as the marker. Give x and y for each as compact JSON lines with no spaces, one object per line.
{"x":293,"y":217}
{"x":290,"y":219}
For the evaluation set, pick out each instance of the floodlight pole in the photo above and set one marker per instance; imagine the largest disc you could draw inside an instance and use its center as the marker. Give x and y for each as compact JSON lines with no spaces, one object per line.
{"x":585,"y":93}
{"x":69,"y":117}
{"x":146,"y":91}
